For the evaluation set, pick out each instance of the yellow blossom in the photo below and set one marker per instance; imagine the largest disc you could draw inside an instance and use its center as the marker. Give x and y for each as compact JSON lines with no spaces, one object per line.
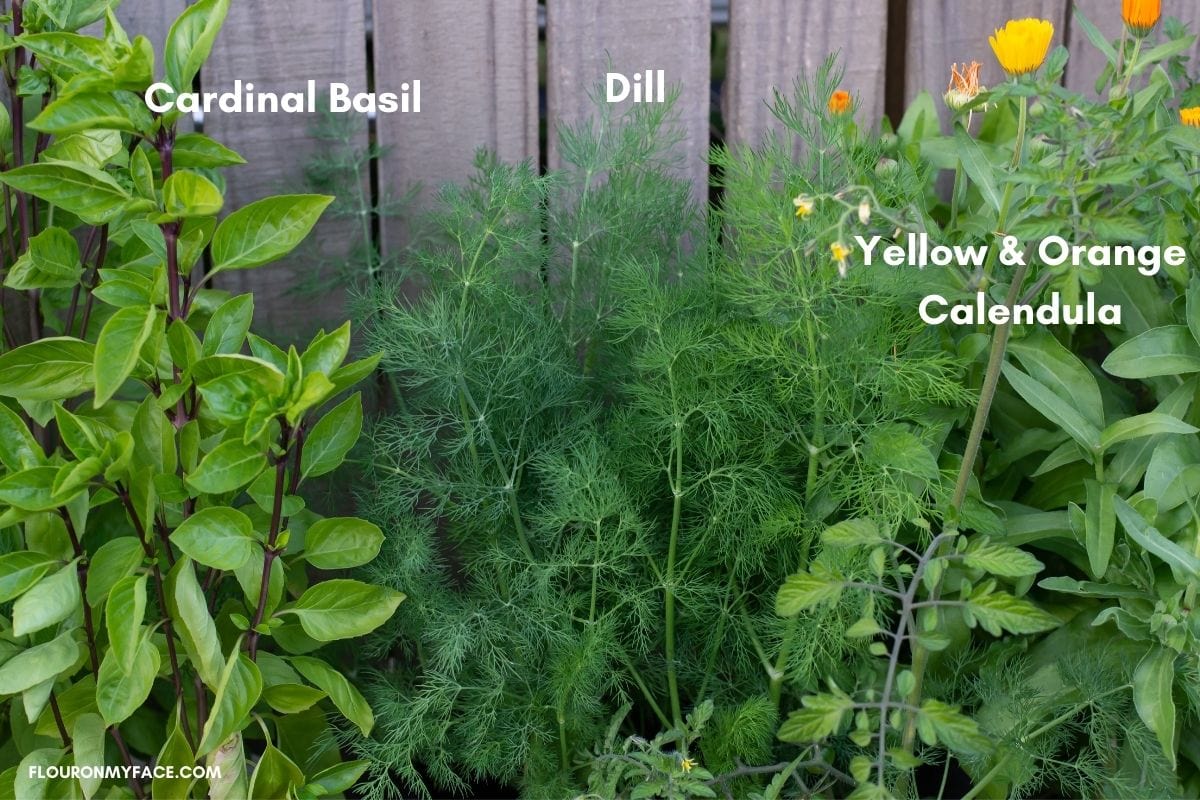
{"x":964,"y":85}
{"x":840,"y":254}
{"x":804,"y":205}
{"x":840,"y":101}
{"x":1141,"y":15}
{"x":687,"y":764}
{"x":1021,"y":45}
{"x":1190,"y":116}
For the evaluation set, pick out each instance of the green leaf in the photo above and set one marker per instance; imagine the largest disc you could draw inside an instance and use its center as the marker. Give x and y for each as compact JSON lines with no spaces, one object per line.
{"x":31,"y":782}
{"x":18,"y":448}
{"x":218,"y":537}
{"x":84,"y":191}
{"x":1100,"y":524}
{"x":999,"y":559}
{"x":1148,"y":424}
{"x":237,"y":692}
{"x":1169,"y":350}
{"x":292,"y":698}
{"x":226,"y":330}
{"x":1053,"y":407}
{"x":86,"y":111}
{"x":228,"y":760}
{"x":1000,"y":611}
{"x":343,"y":609}
{"x":341,"y":543}
{"x":113,"y":560}
{"x":339,"y":777}
{"x":345,"y":697}
{"x":1183,"y":564}
{"x":50,"y":601}
{"x":977,"y":167}
{"x":190,"y":40}
{"x":331,"y":438}
{"x":175,"y":753}
{"x":1051,"y":364}
{"x":274,"y":776}
{"x":198,"y":150}
{"x":123,"y":619}
{"x":955,"y":730}
{"x":807,"y":589}
{"x":1192,"y":306}
{"x":37,"y":664}
{"x":326,"y":352}
{"x":190,"y":194}
{"x":118,"y":346}
{"x":52,"y":261}
{"x":852,"y":533}
{"x":31,"y":489}
{"x":821,"y":716}
{"x":120,"y":693}
{"x":230,"y":466}
{"x":195,"y":625}
{"x":1098,"y":39}
{"x":265,"y":230}
{"x":87,"y":742}
{"x":1153,"y":681}
{"x":21,"y":570}
{"x":48,"y":369}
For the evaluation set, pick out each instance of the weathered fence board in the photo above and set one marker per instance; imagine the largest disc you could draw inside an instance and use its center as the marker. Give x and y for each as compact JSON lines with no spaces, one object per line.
{"x":941,"y":32}
{"x":771,"y":42}
{"x":585,"y":40}
{"x":478,"y":72}
{"x":279,"y":49}
{"x":1087,"y":62}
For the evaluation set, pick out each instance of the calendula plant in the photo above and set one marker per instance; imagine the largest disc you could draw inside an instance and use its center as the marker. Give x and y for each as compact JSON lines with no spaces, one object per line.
{"x":618,"y":435}
{"x":1060,"y":459}
{"x":158,"y":614}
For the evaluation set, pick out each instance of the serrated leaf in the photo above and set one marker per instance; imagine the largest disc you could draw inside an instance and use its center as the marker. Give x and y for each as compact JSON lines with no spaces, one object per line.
{"x":807,"y":589}
{"x":821,"y":716}
{"x":1000,"y":611}
{"x":955,"y":730}
{"x":999,"y":559}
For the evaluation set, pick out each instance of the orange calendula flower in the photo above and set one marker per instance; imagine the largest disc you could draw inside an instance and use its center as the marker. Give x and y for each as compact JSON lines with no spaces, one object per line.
{"x":1021,"y":45}
{"x":964,"y":85}
{"x":839,"y":101}
{"x":804,"y":205}
{"x":1141,"y":15}
{"x":1190,"y":116}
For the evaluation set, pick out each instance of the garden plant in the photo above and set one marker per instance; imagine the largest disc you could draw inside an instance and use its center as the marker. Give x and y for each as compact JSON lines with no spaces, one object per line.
{"x":692,"y":503}
{"x":167,"y":597}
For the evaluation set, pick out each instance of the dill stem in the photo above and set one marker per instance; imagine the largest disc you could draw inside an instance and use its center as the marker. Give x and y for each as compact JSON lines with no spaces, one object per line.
{"x":672,"y":547}
{"x":595,"y":575}
{"x":1061,"y":718}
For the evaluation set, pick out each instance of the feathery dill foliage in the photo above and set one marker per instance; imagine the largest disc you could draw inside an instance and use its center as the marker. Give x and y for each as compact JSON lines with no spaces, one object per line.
{"x":341,"y":166}
{"x":619,"y":432}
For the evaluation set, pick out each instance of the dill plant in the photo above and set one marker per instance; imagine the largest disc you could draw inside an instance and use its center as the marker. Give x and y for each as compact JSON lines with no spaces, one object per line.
{"x":620,"y":429}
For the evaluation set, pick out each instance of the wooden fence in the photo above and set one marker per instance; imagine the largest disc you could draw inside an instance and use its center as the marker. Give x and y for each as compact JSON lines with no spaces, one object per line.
{"x":492,"y":70}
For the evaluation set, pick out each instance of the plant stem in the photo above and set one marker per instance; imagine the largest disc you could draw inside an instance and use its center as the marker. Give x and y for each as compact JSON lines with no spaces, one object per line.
{"x":672,"y":548}
{"x":1131,"y":66}
{"x":991,"y":380}
{"x":89,"y":629}
{"x":270,"y":552}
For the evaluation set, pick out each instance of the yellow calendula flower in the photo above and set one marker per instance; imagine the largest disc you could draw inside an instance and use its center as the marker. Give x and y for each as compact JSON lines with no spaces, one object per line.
{"x":1021,"y":45}
{"x":964,"y":85}
{"x":1190,"y":116}
{"x":687,"y":764}
{"x":804,"y":205}
{"x":1141,"y":15}
{"x":840,"y":102}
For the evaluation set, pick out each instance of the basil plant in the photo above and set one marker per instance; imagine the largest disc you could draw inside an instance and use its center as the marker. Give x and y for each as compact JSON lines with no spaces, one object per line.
{"x":160,"y":628}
